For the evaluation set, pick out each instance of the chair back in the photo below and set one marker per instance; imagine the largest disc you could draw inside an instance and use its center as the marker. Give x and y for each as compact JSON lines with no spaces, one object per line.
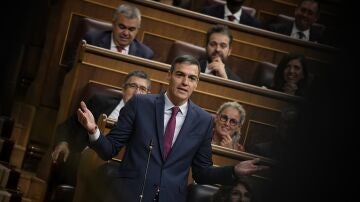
{"x":201,"y":192}
{"x":183,"y":48}
{"x":264,"y":74}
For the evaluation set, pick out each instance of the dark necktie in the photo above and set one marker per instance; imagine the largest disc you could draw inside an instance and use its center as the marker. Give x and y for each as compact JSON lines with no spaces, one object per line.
{"x":231,"y":18}
{"x":301,"y":35}
{"x":169,"y":131}
{"x":120,"y":49}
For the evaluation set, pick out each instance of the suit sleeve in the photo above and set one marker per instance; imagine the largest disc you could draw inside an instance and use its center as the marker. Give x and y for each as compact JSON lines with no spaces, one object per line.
{"x":109,"y":145}
{"x":203,"y":170}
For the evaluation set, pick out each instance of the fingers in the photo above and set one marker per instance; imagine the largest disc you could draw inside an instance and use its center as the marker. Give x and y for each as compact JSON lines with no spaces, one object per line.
{"x":55,"y":156}
{"x":255,"y":161}
{"x":66,"y":155}
{"x":83,"y":106}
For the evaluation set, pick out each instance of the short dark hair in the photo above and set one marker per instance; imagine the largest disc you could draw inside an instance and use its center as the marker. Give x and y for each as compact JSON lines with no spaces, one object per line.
{"x":139,"y":74}
{"x":185,"y":59}
{"x":222,"y":29}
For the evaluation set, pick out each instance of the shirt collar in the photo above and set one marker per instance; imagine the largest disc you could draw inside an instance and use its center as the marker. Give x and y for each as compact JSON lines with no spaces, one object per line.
{"x":295,"y":30}
{"x":236,"y":15}
{"x":169,"y":105}
{"x":113,"y":45}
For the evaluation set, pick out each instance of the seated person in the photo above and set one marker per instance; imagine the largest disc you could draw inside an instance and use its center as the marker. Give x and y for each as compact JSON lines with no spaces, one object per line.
{"x":233,"y":12}
{"x":306,"y":14}
{"x":239,"y":192}
{"x":126,"y":23}
{"x":218,"y":42}
{"x":276,"y":147}
{"x":72,"y":138}
{"x":291,"y":75}
{"x":229,"y":118}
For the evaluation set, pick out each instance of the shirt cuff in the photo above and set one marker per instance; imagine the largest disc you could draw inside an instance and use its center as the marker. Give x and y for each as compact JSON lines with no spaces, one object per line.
{"x":95,"y":136}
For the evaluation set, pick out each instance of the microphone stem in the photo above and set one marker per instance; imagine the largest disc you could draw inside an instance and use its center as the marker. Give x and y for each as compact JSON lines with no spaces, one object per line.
{"x":146,"y":170}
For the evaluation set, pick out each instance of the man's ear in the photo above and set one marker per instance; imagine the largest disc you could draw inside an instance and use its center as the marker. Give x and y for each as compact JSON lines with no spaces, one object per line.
{"x":229,"y":53}
{"x":168,"y":76}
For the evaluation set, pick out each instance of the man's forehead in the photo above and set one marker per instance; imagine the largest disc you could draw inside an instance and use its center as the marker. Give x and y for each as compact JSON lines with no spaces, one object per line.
{"x":219,"y":37}
{"x":127,"y":21}
{"x":187,"y":68}
{"x":135,"y":79}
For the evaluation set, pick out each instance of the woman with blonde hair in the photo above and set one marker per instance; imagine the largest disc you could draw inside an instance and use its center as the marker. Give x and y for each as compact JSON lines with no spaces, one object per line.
{"x":228,"y":121}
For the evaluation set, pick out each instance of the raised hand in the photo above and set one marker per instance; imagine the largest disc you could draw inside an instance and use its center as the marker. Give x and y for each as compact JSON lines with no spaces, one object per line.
{"x":226,"y":141}
{"x":218,"y":67}
{"x":86,"y":118}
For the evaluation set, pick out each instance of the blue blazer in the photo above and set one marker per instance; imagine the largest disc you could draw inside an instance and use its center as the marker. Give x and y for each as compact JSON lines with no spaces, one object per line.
{"x":142,"y":121}
{"x":219,"y":12}
{"x":103,"y":39}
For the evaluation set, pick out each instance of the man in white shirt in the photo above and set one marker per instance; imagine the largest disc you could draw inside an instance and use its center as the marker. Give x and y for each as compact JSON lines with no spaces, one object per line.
{"x":122,"y":38}
{"x":218,"y":50}
{"x":232,"y":11}
{"x":306,"y":14}
{"x":164,"y":134}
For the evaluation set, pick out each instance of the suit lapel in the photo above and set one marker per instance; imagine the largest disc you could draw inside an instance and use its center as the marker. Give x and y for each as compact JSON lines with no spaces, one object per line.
{"x":133,"y":48}
{"x":159,"y":114}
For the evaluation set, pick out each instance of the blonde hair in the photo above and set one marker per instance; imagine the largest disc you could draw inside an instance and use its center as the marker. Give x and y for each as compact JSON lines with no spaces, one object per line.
{"x":237,"y":135}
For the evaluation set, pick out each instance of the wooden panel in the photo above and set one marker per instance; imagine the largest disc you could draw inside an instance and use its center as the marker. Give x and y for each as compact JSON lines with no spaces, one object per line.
{"x":108,"y":67}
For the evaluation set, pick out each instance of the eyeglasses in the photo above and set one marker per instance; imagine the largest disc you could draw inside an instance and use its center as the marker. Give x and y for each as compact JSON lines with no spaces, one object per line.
{"x":233,"y":122}
{"x":142,"y":89}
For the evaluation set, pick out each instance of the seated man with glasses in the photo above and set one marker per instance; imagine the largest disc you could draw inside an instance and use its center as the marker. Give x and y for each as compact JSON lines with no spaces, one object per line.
{"x":229,"y":118}
{"x":71,"y":138}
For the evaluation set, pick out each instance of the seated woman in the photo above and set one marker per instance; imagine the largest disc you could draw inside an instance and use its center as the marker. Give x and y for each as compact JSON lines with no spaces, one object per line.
{"x":239,"y":192}
{"x":291,"y":75}
{"x":229,"y":118}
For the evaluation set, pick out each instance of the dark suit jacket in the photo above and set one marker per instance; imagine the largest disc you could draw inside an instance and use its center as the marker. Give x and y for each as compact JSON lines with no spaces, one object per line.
{"x":231,"y":75}
{"x":74,"y":133}
{"x":103,"y":39}
{"x":219,"y":12}
{"x":286,"y":28}
{"x":142,"y":122}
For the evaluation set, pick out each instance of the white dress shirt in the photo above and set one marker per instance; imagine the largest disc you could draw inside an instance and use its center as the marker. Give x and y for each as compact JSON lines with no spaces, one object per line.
{"x":113,"y":47}
{"x":294,"y":33}
{"x":237,"y":15}
{"x":180,"y":116}
{"x":115,"y":113}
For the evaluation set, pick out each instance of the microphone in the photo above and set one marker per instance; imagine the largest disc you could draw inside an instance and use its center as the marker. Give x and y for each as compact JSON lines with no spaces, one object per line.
{"x":151,"y":145}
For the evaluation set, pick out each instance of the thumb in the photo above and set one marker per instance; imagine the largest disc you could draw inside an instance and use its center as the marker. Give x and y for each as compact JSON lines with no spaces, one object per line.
{"x":83,"y":106}
{"x":66,"y":155}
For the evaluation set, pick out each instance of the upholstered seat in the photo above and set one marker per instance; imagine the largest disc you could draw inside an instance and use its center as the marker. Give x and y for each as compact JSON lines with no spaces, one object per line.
{"x":201,"y":193}
{"x":80,"y":26}
{"x":264,"y":74}
{"x":183,"y":48}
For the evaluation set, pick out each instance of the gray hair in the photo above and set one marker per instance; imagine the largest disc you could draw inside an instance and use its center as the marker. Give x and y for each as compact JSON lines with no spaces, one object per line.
{"x":236,"y":106}
{"x":237,"y":135}
{"x":128,"y":11}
